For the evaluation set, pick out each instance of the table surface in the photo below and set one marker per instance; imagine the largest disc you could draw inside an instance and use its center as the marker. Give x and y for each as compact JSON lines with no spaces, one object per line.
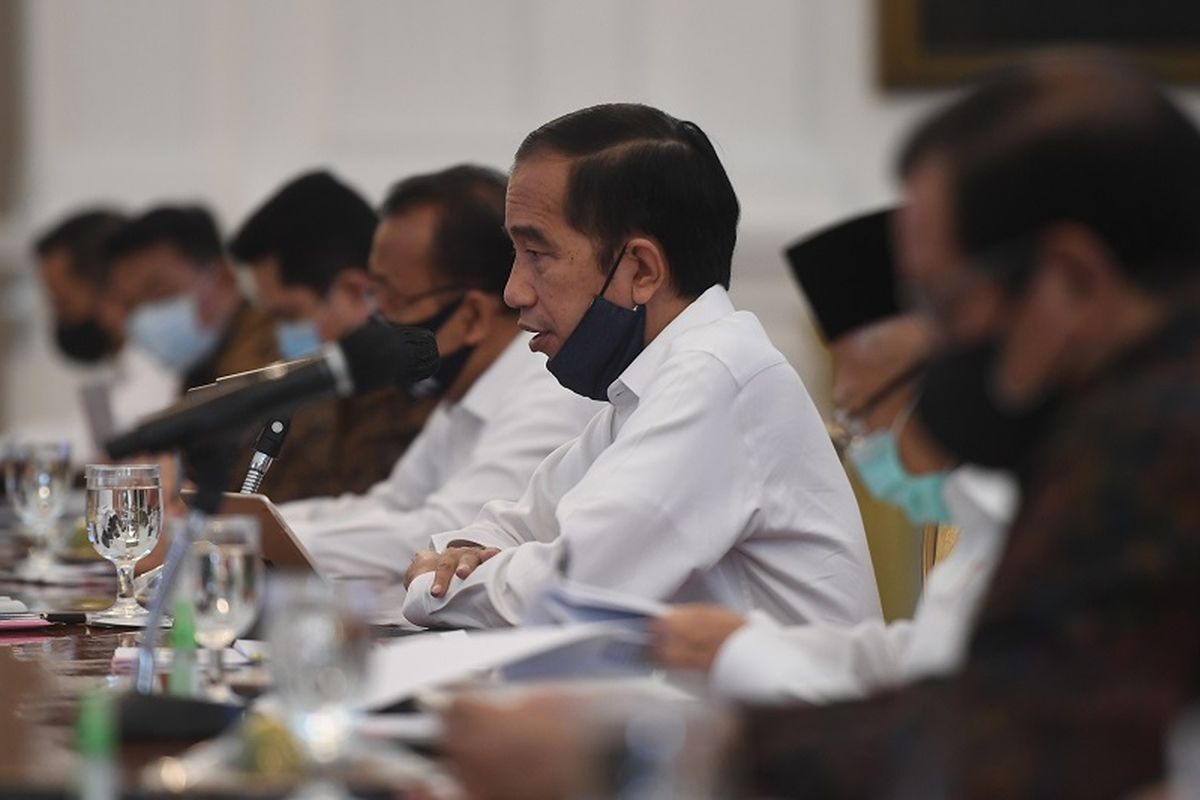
{"x":75,"y":660}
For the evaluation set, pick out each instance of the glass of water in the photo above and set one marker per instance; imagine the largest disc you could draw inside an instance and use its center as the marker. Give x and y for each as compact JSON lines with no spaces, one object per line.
{"x":36,"y":481}
{"x":124,"y":521}
{"x":224,"y":577}
{"x":320,"y":640}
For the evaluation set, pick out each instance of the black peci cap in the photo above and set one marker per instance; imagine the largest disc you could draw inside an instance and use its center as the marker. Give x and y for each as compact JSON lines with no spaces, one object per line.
{"x":847,"y":271}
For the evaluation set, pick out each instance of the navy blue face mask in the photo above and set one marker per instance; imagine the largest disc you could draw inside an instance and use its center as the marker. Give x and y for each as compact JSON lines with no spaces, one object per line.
{"x":606,"y":341}
{"x":450,"y":366}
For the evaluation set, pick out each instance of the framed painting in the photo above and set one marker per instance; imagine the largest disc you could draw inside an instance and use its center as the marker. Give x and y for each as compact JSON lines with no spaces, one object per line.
{"x":927,"y":43}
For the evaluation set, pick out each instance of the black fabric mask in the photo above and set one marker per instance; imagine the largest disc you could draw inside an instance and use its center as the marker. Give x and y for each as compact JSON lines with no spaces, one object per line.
{"x":450,"y":366}
{"x":959,"y":409}
{"x":606,"y":341}
{"x":85,"y":342}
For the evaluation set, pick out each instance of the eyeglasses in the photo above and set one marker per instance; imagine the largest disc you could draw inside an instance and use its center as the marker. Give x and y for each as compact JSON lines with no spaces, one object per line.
{"x":850,"y":425}
{"x":398,"y":303}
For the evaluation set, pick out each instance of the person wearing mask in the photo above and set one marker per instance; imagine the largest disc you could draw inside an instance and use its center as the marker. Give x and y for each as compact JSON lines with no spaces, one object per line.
{"x":847,"y":273}
{"x":708,"y":475}
{"x":171,"y":277}
{"x":440,"y":260}
{"x":306,"y":247}
{"x":89,"y":331}
{"x":1051,"y":231}
{"x":74,"y":270}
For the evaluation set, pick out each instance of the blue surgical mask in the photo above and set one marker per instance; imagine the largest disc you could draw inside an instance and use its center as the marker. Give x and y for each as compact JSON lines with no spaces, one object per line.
{"x":296,"y":339}
{"x":170,"y":330}
{"x":606,"y":341}
{"x":876,"y":459}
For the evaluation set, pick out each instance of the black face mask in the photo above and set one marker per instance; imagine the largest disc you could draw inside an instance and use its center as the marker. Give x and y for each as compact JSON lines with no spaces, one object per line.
{"x":449,"y":367}
{"x":959,"y":409}
{"x":606,"y":341}
{"x":84,"y":342}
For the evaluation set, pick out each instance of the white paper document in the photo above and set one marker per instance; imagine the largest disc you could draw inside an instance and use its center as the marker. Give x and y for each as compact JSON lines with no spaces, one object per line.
{"x":400,"y":668}
{"x":568,"y":602}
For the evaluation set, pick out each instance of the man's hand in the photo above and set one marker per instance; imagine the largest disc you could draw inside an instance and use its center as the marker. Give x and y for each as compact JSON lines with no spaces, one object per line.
{"x":689,"y":636}
{"x":460,"y":561}
{"x":531,"y":750}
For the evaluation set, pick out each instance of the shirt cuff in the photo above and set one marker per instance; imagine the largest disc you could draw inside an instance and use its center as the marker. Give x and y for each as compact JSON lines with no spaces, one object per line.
{"x":742,"y":670}
{"x":418,"y":602}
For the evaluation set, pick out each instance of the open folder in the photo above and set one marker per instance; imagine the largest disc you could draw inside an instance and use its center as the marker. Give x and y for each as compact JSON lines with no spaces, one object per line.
{"x":280,"y":545}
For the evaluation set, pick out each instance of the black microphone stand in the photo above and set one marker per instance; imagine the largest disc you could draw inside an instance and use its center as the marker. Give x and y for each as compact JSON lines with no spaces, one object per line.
{"x":266,"y":450}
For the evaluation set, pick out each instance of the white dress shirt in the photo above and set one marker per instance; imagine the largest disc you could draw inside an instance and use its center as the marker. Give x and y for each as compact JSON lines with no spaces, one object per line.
{"x":764,"y":662}
{"x":483,"y":447}
{"x":709,"y":477}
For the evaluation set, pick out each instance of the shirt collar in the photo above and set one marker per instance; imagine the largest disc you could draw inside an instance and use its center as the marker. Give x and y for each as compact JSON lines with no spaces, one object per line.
{"x":712,"y":305}
{"x":486,"y":396}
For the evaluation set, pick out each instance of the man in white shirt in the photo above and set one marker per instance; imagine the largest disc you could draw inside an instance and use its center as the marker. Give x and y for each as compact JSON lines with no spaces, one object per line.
{"x":847,"y":273}
{"x":709,"y":475}
{"x":440,"y":260}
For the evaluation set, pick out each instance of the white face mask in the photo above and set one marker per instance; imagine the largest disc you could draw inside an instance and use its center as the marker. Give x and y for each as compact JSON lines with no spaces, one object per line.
{"x":170,"y":330}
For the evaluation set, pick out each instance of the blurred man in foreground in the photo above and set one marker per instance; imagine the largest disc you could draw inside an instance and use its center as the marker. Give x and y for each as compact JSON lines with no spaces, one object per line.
{"x":1052,"y":231}
{"x":307,"y":248}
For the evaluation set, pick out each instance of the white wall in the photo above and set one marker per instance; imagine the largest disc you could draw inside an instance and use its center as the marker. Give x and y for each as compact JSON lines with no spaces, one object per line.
{"x":143,"y":100}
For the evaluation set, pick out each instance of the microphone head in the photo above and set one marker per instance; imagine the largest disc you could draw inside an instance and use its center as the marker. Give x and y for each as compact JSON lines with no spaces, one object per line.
{"x":380,"y":354}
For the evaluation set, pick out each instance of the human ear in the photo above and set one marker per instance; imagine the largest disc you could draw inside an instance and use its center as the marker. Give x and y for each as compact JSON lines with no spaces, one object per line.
{"x":476,"y":315}
{"x":652,"y":272}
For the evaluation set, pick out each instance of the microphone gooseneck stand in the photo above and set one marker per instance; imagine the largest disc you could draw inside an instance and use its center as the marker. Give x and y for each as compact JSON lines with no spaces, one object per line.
{"x":266,"y":450}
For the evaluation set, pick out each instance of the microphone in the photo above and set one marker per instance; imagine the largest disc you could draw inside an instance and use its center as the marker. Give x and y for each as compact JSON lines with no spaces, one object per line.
{"x":266,"y":450}
{"x":372,"y":357}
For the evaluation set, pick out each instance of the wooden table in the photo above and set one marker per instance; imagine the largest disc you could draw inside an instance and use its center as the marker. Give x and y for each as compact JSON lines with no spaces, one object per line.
{"x":72,"y":660}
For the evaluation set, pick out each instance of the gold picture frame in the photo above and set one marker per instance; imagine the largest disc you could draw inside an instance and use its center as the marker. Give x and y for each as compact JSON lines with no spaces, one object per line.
{"x":906,"y":62}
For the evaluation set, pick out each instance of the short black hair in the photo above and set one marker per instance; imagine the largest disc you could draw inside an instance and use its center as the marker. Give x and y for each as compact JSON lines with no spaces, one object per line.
{"x":315,"y":226}
{"x":637,"y":170}
{"x":83,"y":235}
{"x":469,"y":243}
{"x":1070,"y":136}
{"x":190,"y":229}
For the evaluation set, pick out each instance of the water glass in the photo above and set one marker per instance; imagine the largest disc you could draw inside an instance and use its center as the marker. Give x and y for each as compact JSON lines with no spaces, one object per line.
{"x":36,"y":481}
{"x":124,"y":522}
{"x":223,"y":579}
{"x":320,"y":640}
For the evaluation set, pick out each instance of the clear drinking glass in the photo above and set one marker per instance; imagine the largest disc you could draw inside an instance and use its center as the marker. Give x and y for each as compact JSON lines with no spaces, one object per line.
{"x":124,"y":521}
{"x":320,"y":640}
{"x":224,"y":577}
{"x":36,"y":480}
